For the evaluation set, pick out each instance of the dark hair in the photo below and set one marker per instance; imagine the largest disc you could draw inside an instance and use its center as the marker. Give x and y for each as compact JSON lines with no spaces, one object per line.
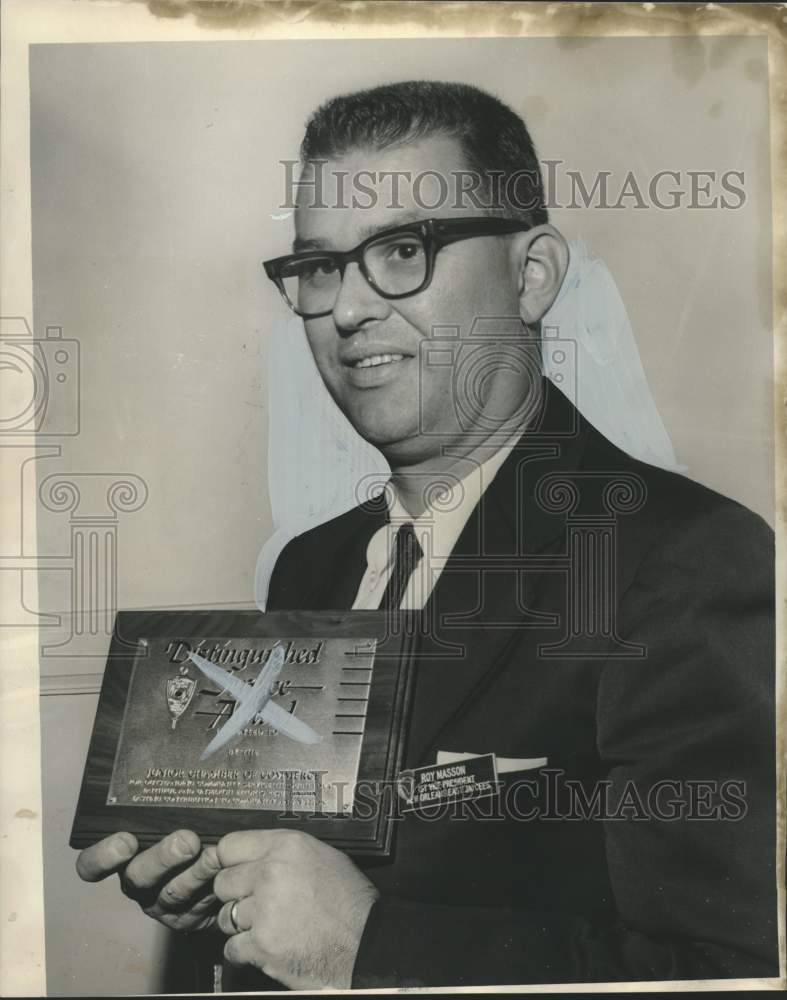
{"x":494,"y":140}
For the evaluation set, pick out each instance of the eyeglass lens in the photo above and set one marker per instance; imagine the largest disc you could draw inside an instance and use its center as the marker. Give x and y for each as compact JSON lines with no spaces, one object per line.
{"x":395,"y":263}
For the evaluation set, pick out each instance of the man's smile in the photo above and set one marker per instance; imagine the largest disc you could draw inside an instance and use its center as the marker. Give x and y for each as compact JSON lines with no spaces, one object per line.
{"x":378,"y":359}
{"x":373,"y":370}
{"x":367,"y":365}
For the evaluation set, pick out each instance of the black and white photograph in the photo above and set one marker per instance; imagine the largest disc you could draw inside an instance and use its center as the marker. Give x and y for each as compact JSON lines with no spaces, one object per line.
{"x":392,"y":442}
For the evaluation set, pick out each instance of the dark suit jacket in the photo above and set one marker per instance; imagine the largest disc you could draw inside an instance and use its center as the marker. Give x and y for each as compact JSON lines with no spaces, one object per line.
{"x":666,"y":675}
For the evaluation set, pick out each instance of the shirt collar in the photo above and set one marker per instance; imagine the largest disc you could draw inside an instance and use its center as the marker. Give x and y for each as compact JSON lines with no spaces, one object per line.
{"x":439,"y":526}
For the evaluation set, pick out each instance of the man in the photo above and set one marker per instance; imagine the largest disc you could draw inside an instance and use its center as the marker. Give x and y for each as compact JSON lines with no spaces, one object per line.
{"x":602,"y":627}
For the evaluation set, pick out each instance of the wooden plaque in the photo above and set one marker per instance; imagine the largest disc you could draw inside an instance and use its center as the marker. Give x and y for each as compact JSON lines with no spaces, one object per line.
{"x":160,"y":757}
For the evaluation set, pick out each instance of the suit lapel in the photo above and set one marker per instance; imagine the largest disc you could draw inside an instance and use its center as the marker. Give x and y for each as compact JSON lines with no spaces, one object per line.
{"x":341,"y":558}
{"x":484,"y":596}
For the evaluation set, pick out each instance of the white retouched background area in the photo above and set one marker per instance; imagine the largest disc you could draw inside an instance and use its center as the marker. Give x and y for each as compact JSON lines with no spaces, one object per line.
{"x":156,"y":187}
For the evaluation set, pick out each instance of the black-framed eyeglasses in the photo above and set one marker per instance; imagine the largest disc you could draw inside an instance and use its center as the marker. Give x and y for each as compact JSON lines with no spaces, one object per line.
{"x":396,"y":262}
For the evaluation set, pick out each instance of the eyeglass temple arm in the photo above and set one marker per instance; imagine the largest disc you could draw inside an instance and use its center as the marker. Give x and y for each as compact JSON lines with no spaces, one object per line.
{"x":451,"y":231}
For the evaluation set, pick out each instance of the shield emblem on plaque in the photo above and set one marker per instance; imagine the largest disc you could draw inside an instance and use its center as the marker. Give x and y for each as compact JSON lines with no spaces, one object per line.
{"x":180,"y":691}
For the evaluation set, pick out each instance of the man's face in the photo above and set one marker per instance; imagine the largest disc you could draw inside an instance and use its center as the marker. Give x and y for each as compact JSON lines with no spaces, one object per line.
{"x":406,"y":406}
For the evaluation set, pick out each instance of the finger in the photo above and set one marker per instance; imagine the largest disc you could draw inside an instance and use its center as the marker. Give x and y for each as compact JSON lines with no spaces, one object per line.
{"x":240,"y":950}
{"x":200,"y":913}
{"x":207,"y":903}
{"x":243,"y":912}
{"x":106,"y":857}
{"x":190,"y":884}
{"x":247,"y":845}
{"x":149,"y":868}
{"x":237,"y":882}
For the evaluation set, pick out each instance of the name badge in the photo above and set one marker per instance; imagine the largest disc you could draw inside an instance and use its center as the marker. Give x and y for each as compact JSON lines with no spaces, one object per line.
{"x":437,"y":784}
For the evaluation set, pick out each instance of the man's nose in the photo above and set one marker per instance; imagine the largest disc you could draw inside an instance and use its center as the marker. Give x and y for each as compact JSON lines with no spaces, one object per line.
{"x":357,"y":302}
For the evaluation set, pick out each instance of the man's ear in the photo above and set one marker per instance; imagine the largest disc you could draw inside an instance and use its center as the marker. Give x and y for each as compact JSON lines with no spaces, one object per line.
{"x":540,"y":260}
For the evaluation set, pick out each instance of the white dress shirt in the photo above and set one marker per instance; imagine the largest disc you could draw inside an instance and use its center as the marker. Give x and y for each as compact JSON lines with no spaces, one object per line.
{"x":437,"y":530}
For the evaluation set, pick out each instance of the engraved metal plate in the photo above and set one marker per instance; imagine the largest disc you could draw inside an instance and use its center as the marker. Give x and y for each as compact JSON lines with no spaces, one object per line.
{"x":173,"y":712}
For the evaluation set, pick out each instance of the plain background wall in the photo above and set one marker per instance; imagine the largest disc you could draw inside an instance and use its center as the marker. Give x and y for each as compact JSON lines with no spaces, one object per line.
{"x":156,"y":187}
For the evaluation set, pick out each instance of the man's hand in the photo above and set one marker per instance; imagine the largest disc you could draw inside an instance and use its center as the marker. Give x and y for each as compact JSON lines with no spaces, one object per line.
{"x":171,"y":881}
{"x":302,"y":907}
